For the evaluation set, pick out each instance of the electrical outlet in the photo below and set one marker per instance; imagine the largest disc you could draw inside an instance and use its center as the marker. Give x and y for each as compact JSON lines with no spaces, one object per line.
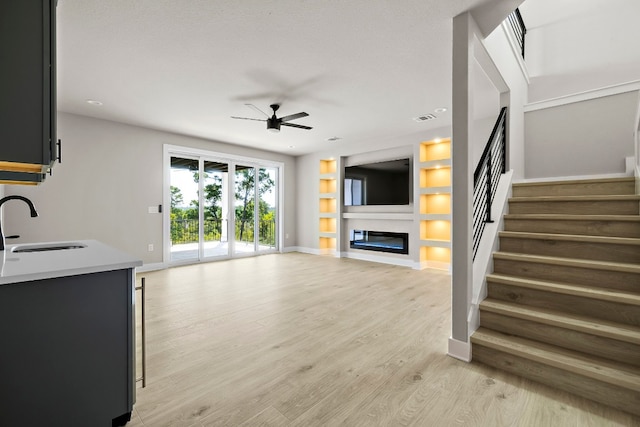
{"x":150,"y":247}
{"x":286,"y":236}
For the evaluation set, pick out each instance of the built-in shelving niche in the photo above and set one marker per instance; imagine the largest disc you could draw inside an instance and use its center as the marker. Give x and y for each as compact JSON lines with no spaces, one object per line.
{"x":328,"y":206}
{"x":435,"y":204}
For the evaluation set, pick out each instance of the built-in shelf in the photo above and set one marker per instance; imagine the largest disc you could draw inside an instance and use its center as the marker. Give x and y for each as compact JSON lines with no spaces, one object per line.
{"x":436,"y":190}
{"x":435,"y":204}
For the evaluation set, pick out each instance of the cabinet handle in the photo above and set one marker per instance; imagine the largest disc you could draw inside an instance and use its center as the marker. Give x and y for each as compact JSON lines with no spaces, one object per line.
{"x":143,"y":378}
{"x":59,"y":145}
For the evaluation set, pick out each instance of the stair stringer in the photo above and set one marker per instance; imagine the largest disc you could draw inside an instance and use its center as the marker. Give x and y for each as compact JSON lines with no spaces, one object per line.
{"x":489,"y":243}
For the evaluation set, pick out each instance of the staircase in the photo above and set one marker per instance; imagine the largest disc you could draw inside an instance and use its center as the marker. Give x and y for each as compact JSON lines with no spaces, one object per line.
{"x":563,"y":305}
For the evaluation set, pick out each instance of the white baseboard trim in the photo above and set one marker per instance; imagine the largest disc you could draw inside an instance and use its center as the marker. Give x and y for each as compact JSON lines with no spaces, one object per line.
{"x":434,"y":265}
{"x":311,"y":251}
{"x":459,"y":350}
{"x":304,"y":250}
{"x":573,"y":178}
{"x":380,"y":259}
{"x":291,"y":249}
{"x":583,"y":96}
{"x":151,"y":267}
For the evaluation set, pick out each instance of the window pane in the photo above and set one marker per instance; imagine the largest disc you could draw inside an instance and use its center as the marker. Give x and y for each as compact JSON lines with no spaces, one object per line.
{"x":244,"y":209}
{"x":184,"y":221}
{"x":267,"y":215}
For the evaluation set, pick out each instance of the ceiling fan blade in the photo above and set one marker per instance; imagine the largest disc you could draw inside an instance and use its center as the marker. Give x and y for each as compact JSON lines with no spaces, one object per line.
{"x":257,"y":109}
{"x":296,"y":126}
{"x":247,"y":118}
{"x":293,"y":117}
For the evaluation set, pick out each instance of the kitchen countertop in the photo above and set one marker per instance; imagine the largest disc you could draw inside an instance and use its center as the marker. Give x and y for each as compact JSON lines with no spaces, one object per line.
{"x":94,"y":258}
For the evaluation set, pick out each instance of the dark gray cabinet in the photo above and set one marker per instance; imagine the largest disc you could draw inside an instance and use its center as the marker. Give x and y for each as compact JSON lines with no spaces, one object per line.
{"x":67,"y":350}
{"x":27,"y":85}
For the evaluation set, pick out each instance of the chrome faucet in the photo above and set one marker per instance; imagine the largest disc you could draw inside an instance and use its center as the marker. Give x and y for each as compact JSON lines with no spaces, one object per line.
{"x":24,"y":199}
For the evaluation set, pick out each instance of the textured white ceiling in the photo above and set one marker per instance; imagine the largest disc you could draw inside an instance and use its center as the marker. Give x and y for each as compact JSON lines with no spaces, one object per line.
{"x":362,"y":69}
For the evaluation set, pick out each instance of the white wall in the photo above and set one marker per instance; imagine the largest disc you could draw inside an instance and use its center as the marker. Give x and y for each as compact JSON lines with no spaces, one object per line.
{"x":110,"y":174}
{"x":590,"y":137}
{"x":594,"y":46}
{"x":497,"y":45}
{"x":486,"y":107}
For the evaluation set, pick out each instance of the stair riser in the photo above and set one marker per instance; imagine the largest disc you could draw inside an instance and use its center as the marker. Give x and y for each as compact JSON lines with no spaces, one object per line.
{"x":581,"y":250}
{"x":571,"y":304}
{"x":623,"y":281}
{"x":607,"y":348}
{"x":590,"y":189}
{"x":590,"y":207}
{"x":598,"y":391}
{"x":588,"y":228}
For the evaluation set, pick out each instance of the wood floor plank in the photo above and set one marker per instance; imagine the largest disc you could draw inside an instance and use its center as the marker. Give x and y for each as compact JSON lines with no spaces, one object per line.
{"x":295,"y":339}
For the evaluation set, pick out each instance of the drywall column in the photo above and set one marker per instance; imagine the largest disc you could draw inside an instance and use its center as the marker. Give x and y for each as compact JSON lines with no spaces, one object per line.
{"x":462,"y":186}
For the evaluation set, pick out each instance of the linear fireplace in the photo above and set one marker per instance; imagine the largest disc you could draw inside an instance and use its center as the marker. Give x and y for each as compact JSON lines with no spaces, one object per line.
{"x":380,"y":241}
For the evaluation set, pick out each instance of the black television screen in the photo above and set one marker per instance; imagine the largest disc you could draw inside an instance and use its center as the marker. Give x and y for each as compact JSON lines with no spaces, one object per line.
{"x":381,"y":183}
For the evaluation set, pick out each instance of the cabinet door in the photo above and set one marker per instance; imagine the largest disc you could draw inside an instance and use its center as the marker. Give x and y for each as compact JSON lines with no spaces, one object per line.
{"x":66,"y":356}
{"x":27,"y":84}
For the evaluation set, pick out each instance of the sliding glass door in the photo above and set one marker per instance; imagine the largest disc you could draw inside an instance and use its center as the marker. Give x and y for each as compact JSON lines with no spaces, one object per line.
{"x":267,"y":208}
{"x":184,"y":214}
{"x":245,"y":181}
{"x":215,"y":213}
{"x":215,"y":183}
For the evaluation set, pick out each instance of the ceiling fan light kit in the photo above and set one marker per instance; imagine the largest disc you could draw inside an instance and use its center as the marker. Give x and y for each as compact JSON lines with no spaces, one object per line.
{"x":273,"y":122}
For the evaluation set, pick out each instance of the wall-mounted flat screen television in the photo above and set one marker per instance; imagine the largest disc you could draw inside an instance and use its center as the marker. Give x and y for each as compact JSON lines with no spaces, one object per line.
{"x":380,"y":183}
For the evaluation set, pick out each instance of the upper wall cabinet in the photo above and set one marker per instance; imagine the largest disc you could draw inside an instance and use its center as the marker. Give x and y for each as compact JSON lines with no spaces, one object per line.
{"x":27,"y":87}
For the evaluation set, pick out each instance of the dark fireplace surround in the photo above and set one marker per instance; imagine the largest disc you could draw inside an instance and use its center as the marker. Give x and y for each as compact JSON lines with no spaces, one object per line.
{"x":379,"y":241}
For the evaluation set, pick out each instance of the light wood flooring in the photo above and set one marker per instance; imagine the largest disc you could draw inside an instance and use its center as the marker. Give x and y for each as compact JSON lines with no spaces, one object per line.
{"x":303,"y":340}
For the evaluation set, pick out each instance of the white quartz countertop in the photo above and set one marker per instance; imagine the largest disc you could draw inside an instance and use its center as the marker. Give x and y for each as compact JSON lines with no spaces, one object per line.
{"x":93,"y":258}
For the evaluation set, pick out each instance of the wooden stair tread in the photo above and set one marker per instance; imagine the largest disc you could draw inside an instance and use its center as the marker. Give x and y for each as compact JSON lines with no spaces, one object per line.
{"x":574,"y":182}
{"x":618,"y":374}
{"x":589,"y":198}
{"x":571,"y":237}
{"x":569,"y":262}
{"x":570,"y":217}
{"x":603,"y":328}
{"x":566,"y":289}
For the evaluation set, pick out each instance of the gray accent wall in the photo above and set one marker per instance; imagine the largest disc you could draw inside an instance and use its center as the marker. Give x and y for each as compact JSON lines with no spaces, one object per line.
{"x":110,"y":174}
{"x":590,"y":137}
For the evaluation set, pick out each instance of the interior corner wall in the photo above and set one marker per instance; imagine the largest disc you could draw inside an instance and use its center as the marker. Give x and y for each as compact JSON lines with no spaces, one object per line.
{"x":583,"y":51}
{"x":307,"y":201}
{"x":110,"y":174}
{"x":598,"y":132}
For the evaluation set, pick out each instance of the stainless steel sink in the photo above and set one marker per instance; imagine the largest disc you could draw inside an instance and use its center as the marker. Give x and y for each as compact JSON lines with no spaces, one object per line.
{"x":44,"y":247}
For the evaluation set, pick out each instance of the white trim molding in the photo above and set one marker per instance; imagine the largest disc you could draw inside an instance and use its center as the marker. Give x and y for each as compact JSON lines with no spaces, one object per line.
{"x":583,"y":96}
{"x":459,"y":349}
{"x":572,"y":178}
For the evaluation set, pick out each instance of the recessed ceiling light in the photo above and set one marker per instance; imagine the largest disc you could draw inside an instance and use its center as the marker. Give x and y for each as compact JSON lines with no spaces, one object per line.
{"x":437,"y":140}
{"x":94,"y":102}
{"x":440,"y":110}
{"x":292,"y":146}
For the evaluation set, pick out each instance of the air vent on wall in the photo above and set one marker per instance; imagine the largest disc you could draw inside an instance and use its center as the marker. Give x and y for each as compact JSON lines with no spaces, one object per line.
{"x":424,"y":118}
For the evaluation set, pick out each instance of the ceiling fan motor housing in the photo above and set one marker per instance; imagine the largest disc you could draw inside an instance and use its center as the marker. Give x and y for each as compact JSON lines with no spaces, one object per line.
{"x":273,"y":124}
